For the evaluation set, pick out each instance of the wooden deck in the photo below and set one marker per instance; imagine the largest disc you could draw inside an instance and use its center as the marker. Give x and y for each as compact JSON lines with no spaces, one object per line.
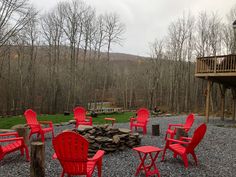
{"x":221,"y":69}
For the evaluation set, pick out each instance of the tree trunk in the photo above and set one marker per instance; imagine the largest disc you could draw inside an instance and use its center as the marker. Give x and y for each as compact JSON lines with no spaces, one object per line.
{"x":37,"y":163}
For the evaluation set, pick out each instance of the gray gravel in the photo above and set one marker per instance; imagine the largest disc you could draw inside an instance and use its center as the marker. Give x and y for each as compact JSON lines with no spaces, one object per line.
{"x":216,"y":154}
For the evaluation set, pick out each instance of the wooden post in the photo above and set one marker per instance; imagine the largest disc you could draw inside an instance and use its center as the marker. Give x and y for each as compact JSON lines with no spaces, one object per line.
{"x":156,"y":130}
{"x":23,"y":132}
{"x":37,"y":163}
{"x":222,"y":91}
{"x":209,"y":85}
{"x":234,"y":102}
{"x":180,"y":132}
{"x":215,"y":60}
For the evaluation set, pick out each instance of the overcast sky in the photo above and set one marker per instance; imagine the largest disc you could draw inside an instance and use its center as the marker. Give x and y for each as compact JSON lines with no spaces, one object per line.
{"x":146,"y":20}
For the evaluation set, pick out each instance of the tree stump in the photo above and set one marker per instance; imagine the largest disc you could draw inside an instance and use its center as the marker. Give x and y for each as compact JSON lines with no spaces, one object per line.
{"x":23,"y":132}
{"x":156,"y":130}
{"x":37,"y":163}
{"x":66,"y":113}
{"x":181,"y":132}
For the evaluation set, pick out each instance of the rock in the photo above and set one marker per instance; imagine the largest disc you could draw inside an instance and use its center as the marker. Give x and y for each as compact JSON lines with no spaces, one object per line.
{"x":116,"y":139}
{"x":92,"y":131}
{"x":168,"y":115}
{"x":108,"y":129}
{"x":109,"y":149}
{"x":82,"y":128}
{"x":105,"y":126}
{"x":91,"y":137}
{"x":103,"y":139}
{"x":114,"y":129}
{"x":122,"y":141}
{"x":130,"y":144}
{"x":72,"y":121}
{"x":124,"y":130}
{"x":91,"y":141}
{"x":121,"y":148}
{"x":66,"y":130}
{"x":64,"y":123}
{"x":132,"y":137}
{"x":18,"y":126}
{"x":86,"y":136}
{"x":111,"y":146}
{"x":92,"y":151}
{"x":123,"y":136}
{"x":135,"y":134}
{"x":6,"y":130}
{"x":95,"y":146}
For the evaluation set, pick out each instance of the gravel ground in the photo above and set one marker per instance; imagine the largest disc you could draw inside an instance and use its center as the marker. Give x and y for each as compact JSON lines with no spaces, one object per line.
{"x":216,"y":154}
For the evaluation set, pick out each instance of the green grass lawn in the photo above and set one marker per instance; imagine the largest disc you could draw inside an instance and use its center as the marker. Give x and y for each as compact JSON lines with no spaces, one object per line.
{"x":8,"y":122}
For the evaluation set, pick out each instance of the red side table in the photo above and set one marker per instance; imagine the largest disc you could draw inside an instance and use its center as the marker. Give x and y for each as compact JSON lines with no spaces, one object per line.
{"x":110,"y":119}
{"x":144,"y":151}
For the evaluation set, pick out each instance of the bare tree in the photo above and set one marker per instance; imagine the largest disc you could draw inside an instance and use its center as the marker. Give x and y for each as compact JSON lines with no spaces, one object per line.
{"x":52,"y":31}
{"x":31,"y":35}
{"x":14,"y":15}
{"x":179,"y":33}
{"x":100,"y":34}
{"x":228,"y":38}
{"x":231,"y":16}
{"x":215,"y":33}
{"x":157,"y":55}
{"x":72,"y":16}
{"x":202,"y":32}
{"x":114,"y":29}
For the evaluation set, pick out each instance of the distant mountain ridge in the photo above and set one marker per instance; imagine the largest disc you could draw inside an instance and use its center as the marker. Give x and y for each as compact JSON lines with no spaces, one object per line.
{"x":124,"y":56}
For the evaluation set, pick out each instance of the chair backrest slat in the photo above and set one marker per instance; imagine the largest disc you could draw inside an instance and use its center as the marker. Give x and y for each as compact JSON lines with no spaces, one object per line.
{"x":1,"y":151}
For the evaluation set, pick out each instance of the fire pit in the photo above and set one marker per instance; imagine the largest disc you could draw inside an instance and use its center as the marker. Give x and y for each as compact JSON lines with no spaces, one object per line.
{"x":108,"y":138}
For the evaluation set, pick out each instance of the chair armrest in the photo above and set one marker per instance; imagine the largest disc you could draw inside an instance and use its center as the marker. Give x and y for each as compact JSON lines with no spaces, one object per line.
{"x":174,"y":125}
{"x":10,"y":134}
{"x":46,"y":122}
{"x":185,"y":138}
{"x":99,"y":154}
{"x":177,"y":141}
{"x":33,"y":125}
{"x":132,"y":119}
{"x":90,"y":118}
{"x":11,"y":139}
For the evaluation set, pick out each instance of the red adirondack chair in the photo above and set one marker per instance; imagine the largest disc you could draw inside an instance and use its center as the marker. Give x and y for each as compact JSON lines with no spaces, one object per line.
{"x":188,"y":124}
{"x":34,"y":124}
{"x":71,"y":149}
{"x":13,"y":144}
{"x":141,"y":120}
{"x":185,"y":145}
{"x":80,"y":117}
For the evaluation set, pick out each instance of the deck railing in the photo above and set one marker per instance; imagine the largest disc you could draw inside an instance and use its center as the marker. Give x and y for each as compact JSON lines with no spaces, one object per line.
{"x":216,"y":64}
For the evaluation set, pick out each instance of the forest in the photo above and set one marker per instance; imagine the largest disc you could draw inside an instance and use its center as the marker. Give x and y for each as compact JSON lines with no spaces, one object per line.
{"x":55,"y":60}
